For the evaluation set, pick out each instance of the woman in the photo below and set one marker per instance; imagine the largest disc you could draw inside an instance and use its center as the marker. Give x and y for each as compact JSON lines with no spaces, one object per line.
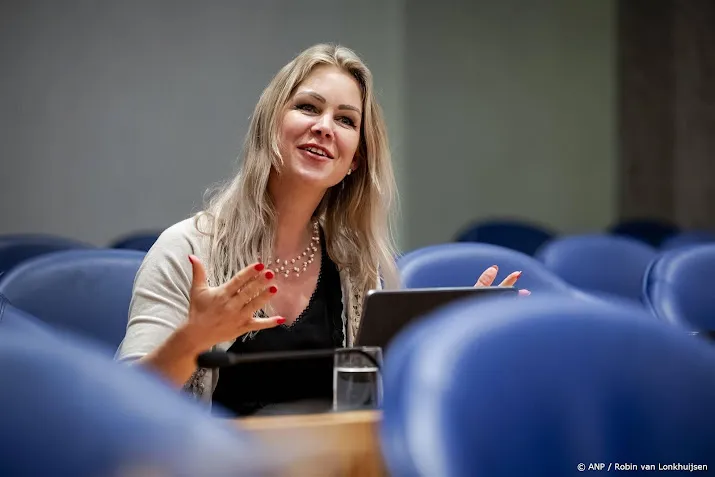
{"x":281,"y":257}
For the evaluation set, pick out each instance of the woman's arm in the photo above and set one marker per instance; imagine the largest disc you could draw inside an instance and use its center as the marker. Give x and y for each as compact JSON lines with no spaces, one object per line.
{"x":175,"y":358}
{"x":175,"y":314}
{"x":158,"y":335}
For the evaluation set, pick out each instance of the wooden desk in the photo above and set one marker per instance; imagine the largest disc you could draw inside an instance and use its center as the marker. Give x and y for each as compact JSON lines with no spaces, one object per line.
{"x":331,"y":444}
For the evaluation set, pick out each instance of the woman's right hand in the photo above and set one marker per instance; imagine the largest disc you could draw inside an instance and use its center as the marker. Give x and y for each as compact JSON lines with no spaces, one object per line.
{"x":222,"y":313}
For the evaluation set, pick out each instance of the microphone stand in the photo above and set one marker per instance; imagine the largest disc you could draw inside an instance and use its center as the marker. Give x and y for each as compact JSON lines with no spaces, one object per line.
{"x":223,"y":359}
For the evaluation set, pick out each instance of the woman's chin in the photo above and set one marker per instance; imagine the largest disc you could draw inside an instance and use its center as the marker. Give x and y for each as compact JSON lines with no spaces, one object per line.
{"x":312,"y":177}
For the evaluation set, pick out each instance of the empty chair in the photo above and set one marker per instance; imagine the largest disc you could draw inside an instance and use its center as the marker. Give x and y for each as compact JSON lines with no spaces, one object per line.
{"x":605,"y":265}
{"x":491,"y":387}
{"x":677,"y":287}
{"x":83,"y":291}
{"x":688,"y":238}
{"x":651,"y":231}
{"x":12,"y":320}
{"x":15,"y":249}
{"x":513,"y":234}
{"x":460,"y":264}
{"x":137,"y":241}
{"x":70,"y":410}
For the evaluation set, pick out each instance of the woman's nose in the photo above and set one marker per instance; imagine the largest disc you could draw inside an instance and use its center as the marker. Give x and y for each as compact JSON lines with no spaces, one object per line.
{"x":323,"y":126}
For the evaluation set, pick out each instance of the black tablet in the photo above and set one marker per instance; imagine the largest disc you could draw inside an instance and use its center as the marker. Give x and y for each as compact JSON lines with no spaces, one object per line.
{"x":386,"y":312}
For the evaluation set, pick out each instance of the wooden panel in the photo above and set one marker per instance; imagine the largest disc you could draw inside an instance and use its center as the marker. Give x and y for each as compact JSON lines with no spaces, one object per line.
{"x":332,"y":444}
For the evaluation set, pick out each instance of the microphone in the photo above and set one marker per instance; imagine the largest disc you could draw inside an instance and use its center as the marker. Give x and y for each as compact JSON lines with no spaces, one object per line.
{"x":223,"y":359}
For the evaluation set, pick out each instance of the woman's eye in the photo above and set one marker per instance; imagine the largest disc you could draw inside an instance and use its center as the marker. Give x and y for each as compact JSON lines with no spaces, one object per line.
{"x":347,"y":121}
{"x":307,"y":107}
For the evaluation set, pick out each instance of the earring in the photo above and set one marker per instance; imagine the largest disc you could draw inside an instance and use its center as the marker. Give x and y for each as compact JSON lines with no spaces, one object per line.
{"x":350,"y":171}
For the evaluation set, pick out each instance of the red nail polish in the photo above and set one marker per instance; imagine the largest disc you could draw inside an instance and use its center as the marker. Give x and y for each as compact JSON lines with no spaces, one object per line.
{"x":191,"y":259}
{"x":259,"y":267}
{"x":269,"y":275}
{"x":273,"y":289}
{"x":518,"y":275}
{"x":280,"y":321}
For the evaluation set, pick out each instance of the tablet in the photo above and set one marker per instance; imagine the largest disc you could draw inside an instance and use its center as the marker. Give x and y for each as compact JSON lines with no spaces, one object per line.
{"x":386,"y":312}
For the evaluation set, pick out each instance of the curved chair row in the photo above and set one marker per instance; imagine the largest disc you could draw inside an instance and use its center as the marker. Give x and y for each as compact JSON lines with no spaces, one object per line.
{"x":16,"y":248}
{"x":542,"y":386}
{"x":673,"y":285}
{"x":69,"y":409}
{"x":89,"y":290}
{"x":528,"y":237}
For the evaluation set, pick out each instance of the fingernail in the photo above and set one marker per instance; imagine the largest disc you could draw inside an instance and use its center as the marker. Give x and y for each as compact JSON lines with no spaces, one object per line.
{"x":280,"y":321}
{"x":273,"y":289}
{"x":191,"y":258}
{"x":495,"y":267}
{"x":269,"y":275}
{"x":518,"y":274}
{"x":259,"y":267}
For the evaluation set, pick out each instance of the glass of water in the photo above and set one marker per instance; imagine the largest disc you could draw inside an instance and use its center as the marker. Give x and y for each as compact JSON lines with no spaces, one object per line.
{"x":357,"y":379}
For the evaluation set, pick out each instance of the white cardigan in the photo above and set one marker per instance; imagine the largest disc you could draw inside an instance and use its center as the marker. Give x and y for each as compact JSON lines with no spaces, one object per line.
{"x":160,"y":301}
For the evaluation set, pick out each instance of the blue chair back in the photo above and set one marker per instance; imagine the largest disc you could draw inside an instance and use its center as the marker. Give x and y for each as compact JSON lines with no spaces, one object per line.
{"x":677,"y":287}
{"x":460,"y":264}
{"x":139,"y":241}
{"x":688,"y":238}
{"x":69,"y":410}
{"x":15,"y":249}
{"x":653,"y":232}
{"x":605,"y":265}
{"x":84,"y":291}
{"x":493,"y":386}
{"x":516,"y":235}
{"x":14,"y":320}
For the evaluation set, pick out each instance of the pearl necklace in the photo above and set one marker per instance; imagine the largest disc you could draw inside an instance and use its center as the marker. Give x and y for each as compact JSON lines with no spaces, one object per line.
{"x":307,"y":256}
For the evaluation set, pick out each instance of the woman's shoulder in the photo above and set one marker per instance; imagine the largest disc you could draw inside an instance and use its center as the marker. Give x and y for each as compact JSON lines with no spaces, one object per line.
{"x":189,"y":236}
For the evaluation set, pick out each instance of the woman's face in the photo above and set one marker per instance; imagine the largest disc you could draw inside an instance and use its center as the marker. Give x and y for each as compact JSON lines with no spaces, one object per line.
{"x":320,"y":130}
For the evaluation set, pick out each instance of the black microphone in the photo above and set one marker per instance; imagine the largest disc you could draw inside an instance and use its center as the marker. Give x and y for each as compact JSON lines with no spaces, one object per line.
{"x":223,"y":359}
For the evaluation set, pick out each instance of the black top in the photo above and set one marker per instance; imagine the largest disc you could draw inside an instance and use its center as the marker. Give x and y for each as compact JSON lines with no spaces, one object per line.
{"x":246,"y":388}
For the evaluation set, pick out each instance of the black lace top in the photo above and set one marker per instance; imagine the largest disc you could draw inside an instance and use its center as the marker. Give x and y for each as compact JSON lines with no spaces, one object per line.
{"x":246,"y":388}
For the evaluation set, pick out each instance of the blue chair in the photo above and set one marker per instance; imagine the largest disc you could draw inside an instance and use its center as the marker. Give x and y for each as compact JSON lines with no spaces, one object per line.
{"x":15,"y":249}
{"x":460,"y":264}
{"x":513,"y":234}
{"x":677,"y":287}
{"x":651,"y":231}
{"x":12,"y":320}
{"x":83,"y":291}
{"x":138,"y":241}
{"x":688,"y":238}
{"x":543,"y":384}
{"x":71,"y":410}
{"x":604,"y":265}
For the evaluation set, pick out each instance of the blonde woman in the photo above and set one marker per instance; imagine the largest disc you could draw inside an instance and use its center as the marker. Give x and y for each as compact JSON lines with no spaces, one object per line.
{"x":281,"y":256}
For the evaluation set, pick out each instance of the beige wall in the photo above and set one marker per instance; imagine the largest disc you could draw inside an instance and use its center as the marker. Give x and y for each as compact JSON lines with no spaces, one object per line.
{"x":509,"y":111}
{"x":117,"y":117}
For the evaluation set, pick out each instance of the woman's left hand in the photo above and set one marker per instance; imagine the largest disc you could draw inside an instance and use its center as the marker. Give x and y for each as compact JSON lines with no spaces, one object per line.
{"x":490,"y":274}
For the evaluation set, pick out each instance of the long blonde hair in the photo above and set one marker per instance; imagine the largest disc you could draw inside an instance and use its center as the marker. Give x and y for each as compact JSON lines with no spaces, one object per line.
{"x":355,"y":213}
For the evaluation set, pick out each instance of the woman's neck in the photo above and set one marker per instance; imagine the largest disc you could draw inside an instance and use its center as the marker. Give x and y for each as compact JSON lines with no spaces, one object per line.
{"x":294,"y":207}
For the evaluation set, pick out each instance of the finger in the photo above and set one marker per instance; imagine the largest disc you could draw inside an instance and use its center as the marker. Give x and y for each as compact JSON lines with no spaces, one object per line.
{"x":254,"y":288}
{"x":510,"y":280}
{"x":259,"y":301}
{"x":524,"y":292}
{"x":264,"y":323}
{"x":240,"y":280}
{"x":488,"y":277}
{"x":198,"y":281}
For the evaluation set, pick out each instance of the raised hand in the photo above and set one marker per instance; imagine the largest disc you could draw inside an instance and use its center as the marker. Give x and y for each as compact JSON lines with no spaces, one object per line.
{"x":486,"y":279}
{"x":222,"y":313}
